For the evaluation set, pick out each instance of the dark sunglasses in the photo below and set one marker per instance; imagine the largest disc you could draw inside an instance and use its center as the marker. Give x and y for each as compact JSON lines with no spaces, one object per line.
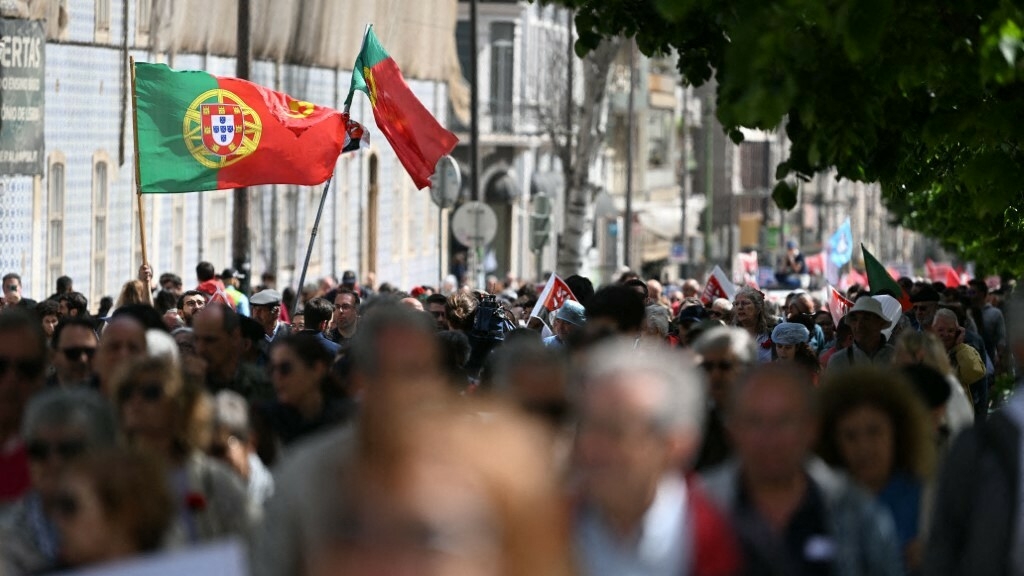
{"x":284,"y":368}
{"x":26,"y":369}
{"x":148,"y":392}
{"x":724,"y":366}
{"x":40,"y":451}
{"x":74,"y":354}
{"x":66,"y":505}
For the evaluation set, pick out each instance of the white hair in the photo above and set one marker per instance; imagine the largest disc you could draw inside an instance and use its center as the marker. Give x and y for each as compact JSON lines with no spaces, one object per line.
{"x":736,"y":340}
{"x":947,"y":314}
{"x":162,"y":344}
{"x":680,"y":385}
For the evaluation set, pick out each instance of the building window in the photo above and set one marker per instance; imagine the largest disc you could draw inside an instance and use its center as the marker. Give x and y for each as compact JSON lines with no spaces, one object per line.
{"x":55,"y":220}
{"x":462,"y":39}
{"x":218,"y":231}
{"x":103,"y":20}
{"x":100,"y":198}
{"x":502,"y":62}
{"x":659,"y":138}
{"x":755,"y":168}
{"x":143,"y":13}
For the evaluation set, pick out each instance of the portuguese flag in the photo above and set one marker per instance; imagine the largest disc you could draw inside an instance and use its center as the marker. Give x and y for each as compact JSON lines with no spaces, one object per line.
{"x":416,"y":137}
{"x":197,"y":131}
{"x":879,"y":279}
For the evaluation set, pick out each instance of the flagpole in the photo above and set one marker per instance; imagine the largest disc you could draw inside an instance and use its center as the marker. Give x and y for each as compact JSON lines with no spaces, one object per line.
{"x":309,"y":249}
{"x":138,"y":178}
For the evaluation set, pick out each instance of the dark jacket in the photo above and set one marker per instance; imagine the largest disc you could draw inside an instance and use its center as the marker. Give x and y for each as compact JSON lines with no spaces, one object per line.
{"x":976,"y":503}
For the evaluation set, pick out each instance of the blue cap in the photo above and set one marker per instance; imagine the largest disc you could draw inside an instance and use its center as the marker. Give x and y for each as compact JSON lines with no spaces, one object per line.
{"x":572,"y":312}
{"x":790,"y":333}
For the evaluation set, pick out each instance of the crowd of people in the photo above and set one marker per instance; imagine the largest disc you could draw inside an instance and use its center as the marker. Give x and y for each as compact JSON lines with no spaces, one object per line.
{"x":447,"y":431}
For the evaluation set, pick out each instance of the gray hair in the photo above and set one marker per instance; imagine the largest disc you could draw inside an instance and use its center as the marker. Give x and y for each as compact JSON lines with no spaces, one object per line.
{"x":657,"y":317}
{"x":725,"y":304}
{"x":736,"y":340}
{"x":231,"y":412}
{"x":947,"y":314}
{"x":681,"y":386}
{"x":81,"y":407}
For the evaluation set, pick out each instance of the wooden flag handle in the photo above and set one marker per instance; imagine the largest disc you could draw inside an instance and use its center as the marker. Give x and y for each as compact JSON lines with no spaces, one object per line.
{"x":138,"y":179}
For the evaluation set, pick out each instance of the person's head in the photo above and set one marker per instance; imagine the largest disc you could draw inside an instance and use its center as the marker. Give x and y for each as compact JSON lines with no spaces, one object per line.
{"x":63,"y":284}
{"x":772,"y":419}
{"x":73,"y":304}
{"x":638,"y":285}
{"x":436,"y":304}
{"x":867,"y":320}
{"x":113,"y":504}
{"x":317,"y":314}
{"x":122,"y":340}
{"x":977,"y":291}
{"x":218,"y":337}
{"x":232,"y":431}
{"x":926,"y":302}
{"x":787,"y":337}
{"x":721,"y":310}
{"x":569,"y":318}
{"x":946,"y":327}
{"x":654,"y":290}
{"x":171,"y":283}
{"x":618,"y":307}
{"x":530,"y":375}
{"x":725,"y":353}
{"x":299,"y":366}
{"x":395,"y":358}
{"x":921,"y":348}
{"x":656,"y":322}
{"x":346,"y":310}
{"x":749,"y":310}
{"x":487,"y":486}
{"x":412,"y":302}
{"x":74,"y":345}
{"x":133,"y":292}
{"x":155,"y":406}
{"x":581,"y":287}
{"x":800,"y":304}
{"x":23,"y":356}
{"x":823,"y":318}
{"x":48,"y":312}
{"x":205,"y":271}
{"x":459,"y":311}
{"x":266,"y":308}
{"x":12,"y":288}
{"x":691,"y":288}
{"x":641,"y":417}
{"x":190,"y":302}
{"x":875,"y":426}
{"x":61,"y":425}
{"x":455,"y":350}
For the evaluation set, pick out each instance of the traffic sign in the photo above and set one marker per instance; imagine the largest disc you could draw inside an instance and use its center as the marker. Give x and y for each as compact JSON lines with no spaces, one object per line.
{"x":474,"y":224}
{"x":445,"y":182}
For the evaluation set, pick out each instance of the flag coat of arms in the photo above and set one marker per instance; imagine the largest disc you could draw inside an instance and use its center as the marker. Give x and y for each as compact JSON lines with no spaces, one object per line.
{"x":551,"y":298}
{"x":415,"y":135}
{"x":197,"y":131}
{"x":717,"y":286}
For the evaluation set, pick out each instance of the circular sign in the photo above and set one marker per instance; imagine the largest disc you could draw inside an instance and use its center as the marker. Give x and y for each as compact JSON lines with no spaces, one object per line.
{"x":220,"y":129}
{"x":474,"y":224}
{"x":445,"y":182}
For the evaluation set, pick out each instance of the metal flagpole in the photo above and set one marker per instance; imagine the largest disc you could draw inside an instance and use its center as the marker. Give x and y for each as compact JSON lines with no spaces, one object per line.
{"x":309,"y":249}
{"x":138,"y":179}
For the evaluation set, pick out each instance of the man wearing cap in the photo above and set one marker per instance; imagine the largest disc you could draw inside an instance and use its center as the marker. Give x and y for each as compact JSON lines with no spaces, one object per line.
{"x":349,"y":281}
{"x":926,"y":302}
{"x":568,"y":319}
{"x":266,"y":309}
{"x":866,"y":321}
{"x":230,"y":279}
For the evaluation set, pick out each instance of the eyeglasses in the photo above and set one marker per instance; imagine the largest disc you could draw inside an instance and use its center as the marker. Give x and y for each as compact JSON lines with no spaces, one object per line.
{"x":25,"y":369}
{"x":715,"y":313}
{"x":74,"y":353}
{"x":285,"y":368}
{"x":723,"y":365}
{"x":148,"y":392}
{"x":40,"y":450}
{"x":344,"y":307}
{"x":12,"y":287}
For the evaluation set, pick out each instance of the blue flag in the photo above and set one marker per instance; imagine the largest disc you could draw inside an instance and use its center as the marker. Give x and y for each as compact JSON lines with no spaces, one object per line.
{"x":840,"y":246}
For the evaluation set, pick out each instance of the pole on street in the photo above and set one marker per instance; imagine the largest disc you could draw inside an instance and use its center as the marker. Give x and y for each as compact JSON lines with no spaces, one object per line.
{"x":628,"y":223}
{"x":475,"y":252}
{"x":240,"y":221}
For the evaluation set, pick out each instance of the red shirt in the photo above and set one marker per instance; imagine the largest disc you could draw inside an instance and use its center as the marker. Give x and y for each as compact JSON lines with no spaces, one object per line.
{"x":14,"y":476}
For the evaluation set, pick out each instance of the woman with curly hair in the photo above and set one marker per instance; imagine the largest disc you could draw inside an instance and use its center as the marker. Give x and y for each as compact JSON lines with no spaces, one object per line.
{"x":877,"y":429}
{"x":750,"y":314}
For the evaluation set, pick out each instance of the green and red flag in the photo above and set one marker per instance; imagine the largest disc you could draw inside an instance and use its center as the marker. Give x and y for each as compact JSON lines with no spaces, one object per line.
{"x":879,"y":279}
{"x":415,"y":135}
{"x":197,"y":131}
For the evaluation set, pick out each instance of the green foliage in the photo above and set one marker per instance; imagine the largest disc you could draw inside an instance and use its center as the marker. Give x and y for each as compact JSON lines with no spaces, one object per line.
{"x":925,"y":98}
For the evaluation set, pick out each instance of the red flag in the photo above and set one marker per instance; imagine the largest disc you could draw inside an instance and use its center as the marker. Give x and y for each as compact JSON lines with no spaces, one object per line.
{"x":717,"y":286}
{"x":555,"y":293}
{"x":952,"y":279}
{"x":816,"y":263}
{"x":930,"y":269}
{"x":838,"y":305}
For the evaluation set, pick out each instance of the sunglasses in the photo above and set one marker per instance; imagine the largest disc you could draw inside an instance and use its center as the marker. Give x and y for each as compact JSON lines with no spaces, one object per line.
{"x":148,"y":392}
{"x":284,"y":368}
{"x":73,"y":354}
{"x":724,"y":366}
{"x":40,"y":450}
{"x":12,"y":287}
{"x":26,"y":369}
